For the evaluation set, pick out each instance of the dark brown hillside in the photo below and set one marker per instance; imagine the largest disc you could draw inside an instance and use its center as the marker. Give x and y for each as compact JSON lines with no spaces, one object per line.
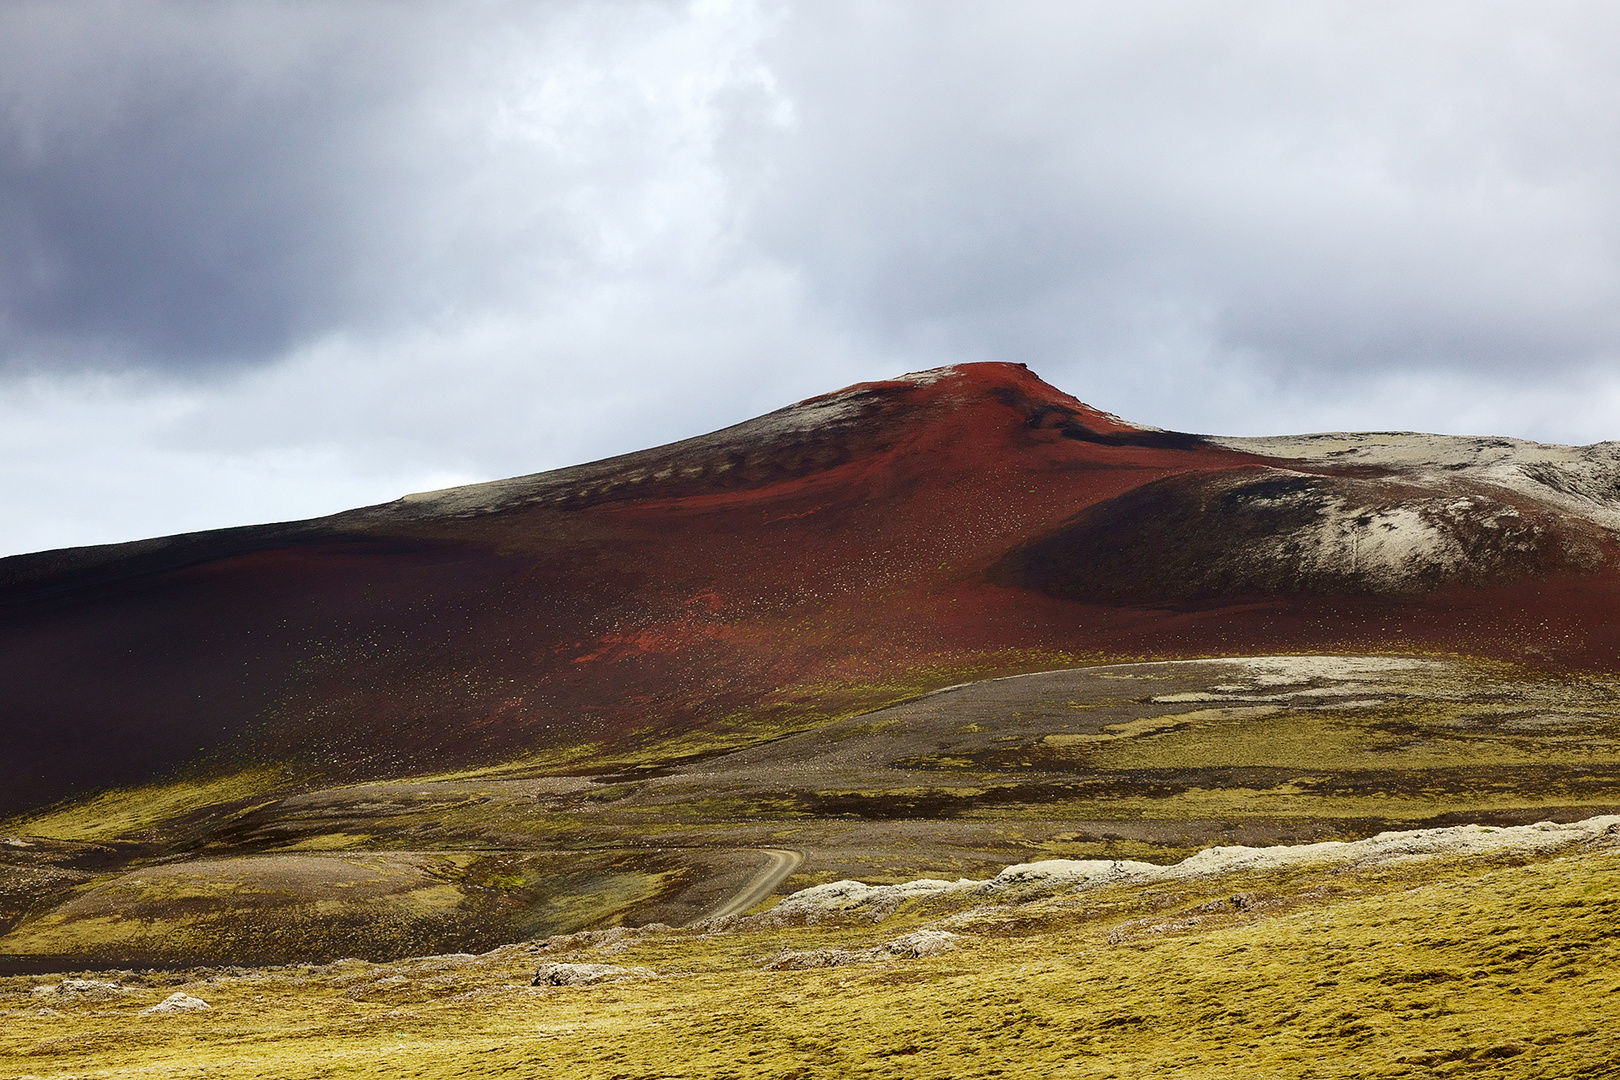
{"x":907,"y":533}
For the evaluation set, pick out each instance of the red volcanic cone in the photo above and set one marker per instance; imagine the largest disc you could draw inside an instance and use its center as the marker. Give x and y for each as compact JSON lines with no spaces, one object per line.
{"x":906,"y":533}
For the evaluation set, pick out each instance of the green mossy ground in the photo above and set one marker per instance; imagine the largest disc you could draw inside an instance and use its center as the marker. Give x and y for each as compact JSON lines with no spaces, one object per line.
{"x":1418,"y":970}
{"x":129,"y":812}
{"x":1151,"y":762}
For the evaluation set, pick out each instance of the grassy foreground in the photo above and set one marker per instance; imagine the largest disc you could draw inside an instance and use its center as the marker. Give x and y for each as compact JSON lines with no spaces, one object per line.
{"x":1421,"y":969}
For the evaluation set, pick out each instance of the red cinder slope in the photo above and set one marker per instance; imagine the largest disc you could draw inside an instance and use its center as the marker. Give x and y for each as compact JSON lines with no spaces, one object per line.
{"x":961,"y":521}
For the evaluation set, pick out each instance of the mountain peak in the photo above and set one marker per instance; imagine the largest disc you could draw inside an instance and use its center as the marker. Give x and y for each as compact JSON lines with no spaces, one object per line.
{"x":970,"y":518}
{"x":978,"y":402}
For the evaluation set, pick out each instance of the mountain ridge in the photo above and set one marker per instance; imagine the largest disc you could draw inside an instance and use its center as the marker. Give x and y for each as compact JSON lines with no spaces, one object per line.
{"x":896,"y":535}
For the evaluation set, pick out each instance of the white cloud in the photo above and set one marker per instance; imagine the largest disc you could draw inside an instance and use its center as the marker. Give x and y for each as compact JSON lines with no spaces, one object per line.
{"x":272,"y":260}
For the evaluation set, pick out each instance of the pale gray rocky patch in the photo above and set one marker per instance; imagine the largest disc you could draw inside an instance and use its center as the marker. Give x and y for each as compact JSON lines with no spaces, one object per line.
{"x":76,"y":990}
{"x":444,"y":961}
{"x":921,"y":943}
{"x":1027,"y":881}
{"x":787,"y":429}
{"x":178,"y":1002}
{"x":811,"y":959}
{"x":836,"y":898}
{"x":1579,"y":480}
{"x":1054,"y":874}
{"x":1457,"y":842}
{"x":613,"y":939}
{"x":560,"y":974}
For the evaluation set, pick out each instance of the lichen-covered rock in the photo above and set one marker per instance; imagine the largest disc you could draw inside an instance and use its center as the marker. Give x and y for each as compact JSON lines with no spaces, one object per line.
{"x":613,"y":937}
{"x":820,"y":903}
{"x":810,"y":959}
{"x":178,"y":1003}
{"x":1051,"y":875}
{"x":559,"y":974}
{"x":75,"y":990}
{"x":923,"y":943}
{"x":853,"y":900}
{"x":917,"y":944}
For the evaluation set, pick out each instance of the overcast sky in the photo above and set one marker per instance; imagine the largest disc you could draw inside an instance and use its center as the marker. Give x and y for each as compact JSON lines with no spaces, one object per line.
{"x":263,"y":261}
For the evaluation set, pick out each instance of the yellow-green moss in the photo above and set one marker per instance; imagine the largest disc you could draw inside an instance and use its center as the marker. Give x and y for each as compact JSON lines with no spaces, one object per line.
{"x":127,"y":811}
{"x":1416,"y":971}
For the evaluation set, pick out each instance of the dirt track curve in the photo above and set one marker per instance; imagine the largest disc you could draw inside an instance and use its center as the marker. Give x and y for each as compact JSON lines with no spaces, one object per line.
{"x":782,"y":863}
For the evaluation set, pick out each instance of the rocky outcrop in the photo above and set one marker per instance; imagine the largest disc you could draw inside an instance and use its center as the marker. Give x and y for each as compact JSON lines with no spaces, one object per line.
{"x":178,"y":1003}
{"x":73,"y":991}
{"x":560,"y":974}
{"x":927,"y":942}
{"x":854,"y":900}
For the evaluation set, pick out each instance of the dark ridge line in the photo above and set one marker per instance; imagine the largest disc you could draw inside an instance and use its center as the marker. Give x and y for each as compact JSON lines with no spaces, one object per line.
{"x":59,"y":574}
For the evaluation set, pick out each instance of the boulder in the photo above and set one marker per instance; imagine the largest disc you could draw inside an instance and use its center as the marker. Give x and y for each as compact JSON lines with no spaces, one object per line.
{"x":923,"y":943}
{"x":179,"y":1003}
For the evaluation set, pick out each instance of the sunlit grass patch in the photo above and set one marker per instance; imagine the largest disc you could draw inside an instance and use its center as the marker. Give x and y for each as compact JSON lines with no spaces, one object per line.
{"x":128,"y":811}
{"x":1412,"y":970}
{"x":285,"y":905}
{"x":338,"y":841}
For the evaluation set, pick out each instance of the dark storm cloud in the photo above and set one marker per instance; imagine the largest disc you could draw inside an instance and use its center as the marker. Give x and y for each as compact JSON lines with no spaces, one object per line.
{"x":267,"y":259}
{"x":1300,"y":186}
{"x":177,"y":182}
{"x":190,"y":186}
